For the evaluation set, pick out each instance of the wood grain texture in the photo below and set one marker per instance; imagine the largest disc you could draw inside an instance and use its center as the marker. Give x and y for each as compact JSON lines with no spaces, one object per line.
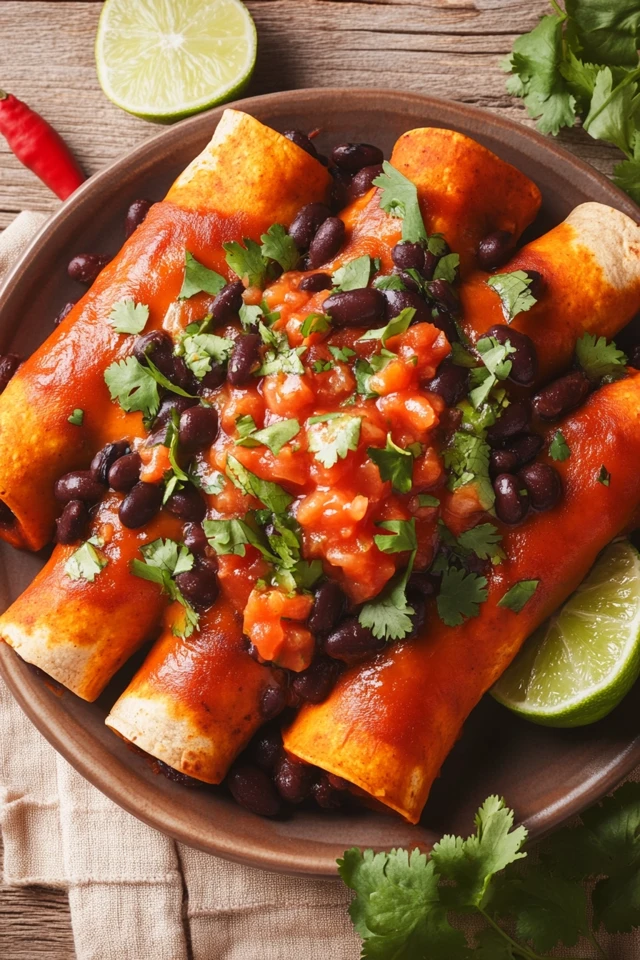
{"x":448,"y":48}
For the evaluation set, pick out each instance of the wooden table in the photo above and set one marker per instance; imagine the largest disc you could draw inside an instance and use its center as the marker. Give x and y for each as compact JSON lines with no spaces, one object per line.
{"x":447,"y":48}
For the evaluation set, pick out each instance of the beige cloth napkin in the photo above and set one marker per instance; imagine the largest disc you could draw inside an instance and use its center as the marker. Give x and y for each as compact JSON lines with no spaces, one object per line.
{"x":135,"y":894}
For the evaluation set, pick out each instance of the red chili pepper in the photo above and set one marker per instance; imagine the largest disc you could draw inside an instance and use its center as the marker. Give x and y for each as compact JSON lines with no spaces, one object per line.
{"x":38,"y":146}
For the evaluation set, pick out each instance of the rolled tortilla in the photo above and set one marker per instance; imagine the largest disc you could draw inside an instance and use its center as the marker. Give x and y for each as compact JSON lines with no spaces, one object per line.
{"x":388,"y":726}
{"x":248,"y":178}
{"x":81,"y":632}
{"x":590,"y":269}
{"x":195,"y":703}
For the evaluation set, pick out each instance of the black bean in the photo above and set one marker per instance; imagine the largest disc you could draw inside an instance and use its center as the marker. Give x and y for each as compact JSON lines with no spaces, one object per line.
{"x":273,"y":701}
{"x":194,"y":538}
{"x":244,"y":359}
{"x":294,"y":780}
{"x":178,"y":776}
{"x":524,"y":362}
{"x":307,"y":222}
{"x":78,"y":485}
{"x":173,"y":402}
{"x":408,"y":256}
{"x":7,"y":518}
{"x":365,"y":307}
{"x":325,"y":795}
{"x":543,"y":484}
{"x":354,"y":156}
{"x":444,"y":322}
{"x":158,"y":346}
{"x":418,"y":617}
{"x":213,"y":378}
{"x":352,"y":642}
{"x":634,"y":357}
{"x":340,"y":188}
{"x":85,"y":267}
{"x":9,"y":363}
{"x":398,"y":300}
{"x":511,"y":506}
{"x":525,"y":448}
{"x":315,"y":282}
{"x":136,"y":214}
{"x":253,"y":790}
{"x":182,"y":376}
{"x":495,"y":249}
{"x":537,"y":285}
{"x":316,"y":682}
{"x":514,"y":419}
{"x":561,"y":396}
{"x":266,"y":747}
{"x":329,"y":604}
{"x":187,"y":504}
{"x":430,"y":263}
{"x":421,"y":585}
{"x":198,"y":428}
{"x":301,"y":140}
{"x":338,"y":783}
{"x":443,"y":293}
{"x":200,"y":584}
{"x":68,"y":307}
{"x":363,"y":180}
{"x":407,"y":279}
{"x":101,"y":463}
{"x":72,"y":522}
{"x":327,"y":242}
{"x":451,"y":382}
{"x":502,"y":461}
{"x":140,"y":505}
{"x":124,"y":473}
{"x":227,"y":303}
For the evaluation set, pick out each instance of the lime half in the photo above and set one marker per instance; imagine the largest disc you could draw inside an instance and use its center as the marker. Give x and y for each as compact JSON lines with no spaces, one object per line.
{"x":579,"y":665}
{"x":165,"y":59}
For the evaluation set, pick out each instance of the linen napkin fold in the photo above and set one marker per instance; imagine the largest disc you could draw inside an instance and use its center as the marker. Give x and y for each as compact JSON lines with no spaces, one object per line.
{"x":133,"y":893}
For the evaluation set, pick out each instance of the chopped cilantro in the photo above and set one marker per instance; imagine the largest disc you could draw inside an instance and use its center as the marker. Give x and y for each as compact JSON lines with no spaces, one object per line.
{"x":321,"y":366}
{"x":426,"y":500}
{"x":388,"y":615}
{"x":467,"y":457}
{"x":519,"y":594}
{"x":202,"y":348}
{"x":85,"y":563}
{"x":483,"y":540}
{"x":600,"y":359}
{"x":331,"y":441}
{"x":462,"y":357}
{"x":274,"y":436}
{"x":199,"y":278}
{"x":394,"y":464}
{"x":391,"y":282}
{"x":558,"y":448}
{"x":447,"y":268}
{"x":280,"y":357}
{"x":315,"y":323}
{"x":363,"y":370}
{"x":246,"y":262}
{"x":402,"y":536}
{"x":245,"y":426}
{"x":133,"y":386}
{"x":495,"y":366}
{"x":163,"y":560}
{"x":274,"y":497}
{"x":129,"y":317}
{"x":76,"y":417}
{"x":604,"y":477}
{"x":355,"y":274}
{"x":342,"y":354}
{"x":249,"y":315}
{"x":232,"y":536}
{"x":399,"y":198}
{"x":178,"y":477}
{"x":460,"y":596}
{"x":279,"y":246}
{"x":396,"y":326}
{"x":513,"y":290}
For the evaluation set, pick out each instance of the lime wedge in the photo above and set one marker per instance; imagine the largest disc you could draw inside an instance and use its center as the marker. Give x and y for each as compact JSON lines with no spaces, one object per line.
{"x":165,"y":59}
{"x":579,"y":665}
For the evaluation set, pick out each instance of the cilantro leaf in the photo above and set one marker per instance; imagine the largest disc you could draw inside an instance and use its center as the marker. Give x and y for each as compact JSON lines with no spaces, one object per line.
{"x":76,"y":417}
{"x":274,"y":497}
{"x":332,"y":440}
{"x":470,"y":864}
{"x":513,"y":290}
{"x":85,"y":563}
{"x":199,"y":278}
{"x":132,"y":386}
{"x":461,"y":357}
{"x":604,"y":477}
{"x":627,"y":174}
{"x":280,"y":357}
{"x":249,"y":315}
{"x":397,"y":909}
{"x":447,"y":268}
{"x":129,"y":317}
{"x":483,"y":540}
{"x":279,"y":246}
{"x":274,"y":436}
{"x":519,"y":595}
{"x":394,"y":464}
{"x":388,"y":615}
{"x":558,"y":448}
{"x":395,"y":326}
{"x":467,"y":458}
{"x":391,"y":282}
{"x":232,"y":536}
{"x":607,"y":31}
{"x":598,"y":358}
{"x":342,"y":354}
{"x":355,"y":274}
{"x":615,"y":110}
{"x":402,"y":536}
{"x":202,"y":348}
{"x":460,"y":595}
{"x":399,"y":198}
{"x":163,"y":560}
{"x":426,"y":500}
{"x":315,"y":323}
{"x":246,"y":262}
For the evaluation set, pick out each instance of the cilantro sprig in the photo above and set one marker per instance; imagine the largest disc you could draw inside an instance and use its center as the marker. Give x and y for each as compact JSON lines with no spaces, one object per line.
{"x":514,"y":292}
{"x":599,"y":359}
{"x":410,"y":907}
{"x":198,"y":278}
{"x":86,"y":562}
{"x":388,"y":615}
{"x":331,"y":436}
{"x":399,"y":198}
{"x":164,"y":560}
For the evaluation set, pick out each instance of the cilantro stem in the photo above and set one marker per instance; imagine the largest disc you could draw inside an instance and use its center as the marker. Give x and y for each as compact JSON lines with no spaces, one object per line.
{"x":520,"y":949}
{"x":558,"y":9}
{"x":594,"y":941}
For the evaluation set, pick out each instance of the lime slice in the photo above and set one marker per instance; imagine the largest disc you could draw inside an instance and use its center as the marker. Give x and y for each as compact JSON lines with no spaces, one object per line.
{"x":165,"y":59}
{"x":579,"y":665}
